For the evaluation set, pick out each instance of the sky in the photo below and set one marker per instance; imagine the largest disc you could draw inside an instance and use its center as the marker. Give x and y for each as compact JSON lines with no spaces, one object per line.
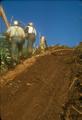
{"x":60,"y":21}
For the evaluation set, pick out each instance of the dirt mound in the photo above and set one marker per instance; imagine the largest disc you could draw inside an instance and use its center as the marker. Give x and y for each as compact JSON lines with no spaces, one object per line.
{"x":36,"y":89}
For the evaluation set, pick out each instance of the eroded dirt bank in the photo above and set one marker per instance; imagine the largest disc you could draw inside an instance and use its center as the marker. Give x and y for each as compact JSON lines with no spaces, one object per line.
{"x":36,"y":91}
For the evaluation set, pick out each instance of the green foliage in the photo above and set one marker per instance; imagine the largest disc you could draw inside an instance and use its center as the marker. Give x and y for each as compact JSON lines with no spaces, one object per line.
{"x":5,"y":56}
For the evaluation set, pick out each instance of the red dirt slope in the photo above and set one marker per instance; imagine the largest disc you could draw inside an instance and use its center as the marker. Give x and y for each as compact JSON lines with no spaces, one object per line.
{"x":36,"y":89}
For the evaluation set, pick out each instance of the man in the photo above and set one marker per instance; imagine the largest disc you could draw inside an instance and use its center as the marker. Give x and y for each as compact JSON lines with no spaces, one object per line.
{"x":16,"y":36}
{"x":30,"y":36}
{"x":43,"y":43}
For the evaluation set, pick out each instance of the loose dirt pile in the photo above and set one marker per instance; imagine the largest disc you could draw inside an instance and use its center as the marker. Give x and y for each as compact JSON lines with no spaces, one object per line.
{"x":37,"y":88}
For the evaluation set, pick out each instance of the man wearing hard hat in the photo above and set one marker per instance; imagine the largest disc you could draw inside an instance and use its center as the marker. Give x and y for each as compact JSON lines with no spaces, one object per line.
{"x":16,"y":36}
{"x":30,"y":36}
{"x":43,"y":43}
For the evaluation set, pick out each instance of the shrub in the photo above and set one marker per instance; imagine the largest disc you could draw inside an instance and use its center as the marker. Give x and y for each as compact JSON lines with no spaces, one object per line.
{"x":5,"y":56}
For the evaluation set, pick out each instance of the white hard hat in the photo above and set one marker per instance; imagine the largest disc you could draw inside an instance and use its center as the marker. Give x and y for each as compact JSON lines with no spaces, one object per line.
{"x":31,"y":24}
{"x":43,"y":37}
{"x":16,"y":22}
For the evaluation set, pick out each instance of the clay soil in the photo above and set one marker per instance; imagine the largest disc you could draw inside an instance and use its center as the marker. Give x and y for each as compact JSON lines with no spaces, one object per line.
{"x":37,"y":88}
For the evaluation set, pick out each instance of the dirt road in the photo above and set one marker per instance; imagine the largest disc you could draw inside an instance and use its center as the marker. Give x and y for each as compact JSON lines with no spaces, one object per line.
{"x":36,"y":93}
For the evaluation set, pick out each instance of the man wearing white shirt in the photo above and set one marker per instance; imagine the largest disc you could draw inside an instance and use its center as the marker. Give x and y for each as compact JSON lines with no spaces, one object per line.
{"x":30,"y":36}
{"x":16,"y":37}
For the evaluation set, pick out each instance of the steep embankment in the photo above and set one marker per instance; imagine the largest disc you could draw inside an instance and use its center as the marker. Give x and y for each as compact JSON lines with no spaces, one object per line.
{"x":36,"y":89}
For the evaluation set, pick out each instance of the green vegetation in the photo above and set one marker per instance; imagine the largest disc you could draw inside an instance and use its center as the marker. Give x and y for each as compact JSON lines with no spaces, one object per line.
{"x":5,"y":56}
{"x":7,"y":62}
